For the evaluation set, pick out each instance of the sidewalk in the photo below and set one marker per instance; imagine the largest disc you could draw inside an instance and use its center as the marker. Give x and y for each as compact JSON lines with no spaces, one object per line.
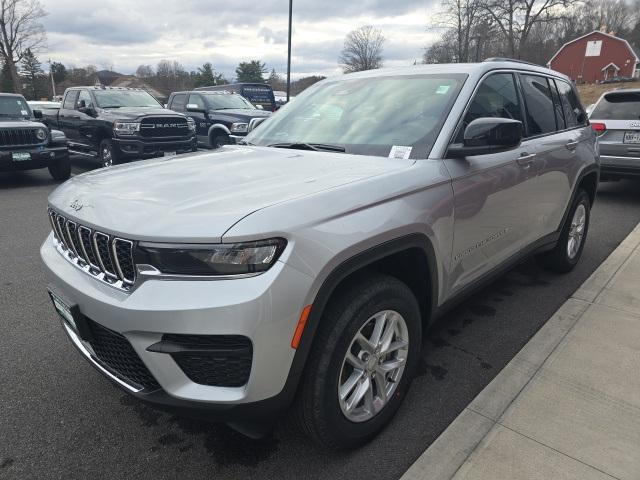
{"x":568,"y":405}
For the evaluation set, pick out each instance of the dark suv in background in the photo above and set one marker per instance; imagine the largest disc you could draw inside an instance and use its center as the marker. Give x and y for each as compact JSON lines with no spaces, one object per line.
{"x":118,"y":124}
{"x":220,"y":116}
{"x":26,"y":143}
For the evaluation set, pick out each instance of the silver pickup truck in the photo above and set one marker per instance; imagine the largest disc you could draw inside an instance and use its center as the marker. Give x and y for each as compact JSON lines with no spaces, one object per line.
{"x":303,"y":267}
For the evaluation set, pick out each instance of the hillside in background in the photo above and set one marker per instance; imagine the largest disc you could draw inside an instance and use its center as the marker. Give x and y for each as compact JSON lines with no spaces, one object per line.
{"x":590,"y":93}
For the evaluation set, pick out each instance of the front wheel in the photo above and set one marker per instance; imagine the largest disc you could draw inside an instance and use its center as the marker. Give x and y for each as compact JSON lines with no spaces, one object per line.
{"x":569,"y":248}
{"x":219,"y":139}
{"x":109,"y":156}
{"x":362,"y":362}
{"x":60,"y":169}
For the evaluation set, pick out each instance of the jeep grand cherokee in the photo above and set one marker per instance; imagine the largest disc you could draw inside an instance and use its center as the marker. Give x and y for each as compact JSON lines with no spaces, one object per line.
{"x":304,"y":267}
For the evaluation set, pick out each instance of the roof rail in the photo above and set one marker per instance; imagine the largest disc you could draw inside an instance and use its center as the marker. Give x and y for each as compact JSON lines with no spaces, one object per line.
{"x":503,"y":59}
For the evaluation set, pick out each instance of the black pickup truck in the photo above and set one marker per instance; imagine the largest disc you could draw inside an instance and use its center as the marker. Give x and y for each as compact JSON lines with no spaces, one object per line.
{"x":118,"y":124}
{"x":221,"y":117}
{"x":26,"y":143}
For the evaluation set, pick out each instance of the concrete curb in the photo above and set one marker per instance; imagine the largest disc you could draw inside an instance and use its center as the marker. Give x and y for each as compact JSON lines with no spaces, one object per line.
{"x":447,"y":457}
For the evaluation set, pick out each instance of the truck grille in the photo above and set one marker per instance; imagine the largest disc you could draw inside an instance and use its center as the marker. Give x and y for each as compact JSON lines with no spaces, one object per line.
{"x":117,"y":354}
{"x":164,"y":127}
{"x":104,"y":256}
{"x":18,"y":136}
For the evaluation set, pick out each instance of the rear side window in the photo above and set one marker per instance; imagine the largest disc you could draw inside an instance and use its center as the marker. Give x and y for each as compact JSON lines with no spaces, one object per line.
{"x":557,"y":106}
{"x":70,"y":100}
{"x":618,"y":106}
{"x":573,"y":112}
{"x":539,"y":101}
{"x":496,"y":96}
{"x":179,"y":101}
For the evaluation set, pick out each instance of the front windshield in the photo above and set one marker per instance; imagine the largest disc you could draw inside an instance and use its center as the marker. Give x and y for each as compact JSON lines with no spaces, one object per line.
{"x":15,"y":107}
{"x":225,"y":101}
{"x":369,"y":116}
{"x":124,"y":98}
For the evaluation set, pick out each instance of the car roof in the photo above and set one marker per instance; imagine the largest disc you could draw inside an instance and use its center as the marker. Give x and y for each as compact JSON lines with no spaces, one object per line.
{"x":102,"y":87}
{"x":476,"y":69}
{"x":209,"y":92}
{"x":11,"y":95}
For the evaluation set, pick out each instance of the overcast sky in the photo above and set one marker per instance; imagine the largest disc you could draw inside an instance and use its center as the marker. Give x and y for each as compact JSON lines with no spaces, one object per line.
{"x":124,"y":34}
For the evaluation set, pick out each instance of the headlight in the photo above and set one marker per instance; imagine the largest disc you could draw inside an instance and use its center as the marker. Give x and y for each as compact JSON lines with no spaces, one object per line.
{"x":239,"y":127}
{"x":216,"y":259}
{"x":126,"y":128}
{"x":41,"y":134}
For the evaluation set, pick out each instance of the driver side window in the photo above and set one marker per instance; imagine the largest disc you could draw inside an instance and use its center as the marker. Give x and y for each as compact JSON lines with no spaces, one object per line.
{"x":496,"y":97}
{"x":196,"y":100}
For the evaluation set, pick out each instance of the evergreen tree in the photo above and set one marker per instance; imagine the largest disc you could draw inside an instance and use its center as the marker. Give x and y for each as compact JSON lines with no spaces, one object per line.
{"x":251,"y":72}
{"x":31,"y":69}
{"x":6,"y":84}
{"x":59,"y":72}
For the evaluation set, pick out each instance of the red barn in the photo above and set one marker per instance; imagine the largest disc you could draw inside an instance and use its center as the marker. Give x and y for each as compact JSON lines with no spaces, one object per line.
{"x":594,"y":57}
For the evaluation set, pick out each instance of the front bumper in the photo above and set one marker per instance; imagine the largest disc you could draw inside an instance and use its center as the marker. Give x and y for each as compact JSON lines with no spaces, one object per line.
{"x":153,"y":147}
{"x":41,"y":157}
{"x":264,"y":308}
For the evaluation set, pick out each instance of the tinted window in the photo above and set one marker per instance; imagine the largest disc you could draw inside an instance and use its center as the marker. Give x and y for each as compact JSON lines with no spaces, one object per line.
{"x":70,"y":100}
{"x":84,"y":95}
{"x":539,"y":102}
{"x":196,"y":100}
{"x":496,"y":97}
{"x":221,"y":101}
{"x":557,"y":106}
{"x":618,"y":106}
{"x":179,"y":101}
{"x":14,"y":106}
{"x":367,"y":116}
{"x":570,"y":105}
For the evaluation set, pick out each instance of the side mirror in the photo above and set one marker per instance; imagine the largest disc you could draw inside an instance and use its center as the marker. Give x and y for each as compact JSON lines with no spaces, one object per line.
{"x":193,"y":107}
{"x":488,"y":135}
{"x":37,"y":114}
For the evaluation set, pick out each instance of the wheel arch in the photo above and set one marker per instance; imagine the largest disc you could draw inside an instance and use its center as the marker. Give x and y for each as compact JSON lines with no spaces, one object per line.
{"x":218,"y":126}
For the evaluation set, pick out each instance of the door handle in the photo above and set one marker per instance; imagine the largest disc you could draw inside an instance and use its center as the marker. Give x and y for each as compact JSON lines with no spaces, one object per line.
{"x":525,"y":160}
{"x":571,"y":145}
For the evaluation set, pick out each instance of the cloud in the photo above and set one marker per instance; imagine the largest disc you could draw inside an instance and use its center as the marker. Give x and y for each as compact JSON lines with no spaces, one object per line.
{"x":126,"y":34}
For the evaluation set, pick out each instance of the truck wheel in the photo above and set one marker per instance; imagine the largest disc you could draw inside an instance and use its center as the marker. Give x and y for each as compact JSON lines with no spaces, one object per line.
{"x":60,"y":169}
{"x":109,"y":156}
{"x":569,"y":248}
{"x":362,"y":362}
{"x":218,"y":139}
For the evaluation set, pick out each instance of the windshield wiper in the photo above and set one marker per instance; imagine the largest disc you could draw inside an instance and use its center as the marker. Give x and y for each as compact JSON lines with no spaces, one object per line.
{"x":318,"y":147}
{"x":111,"y":106}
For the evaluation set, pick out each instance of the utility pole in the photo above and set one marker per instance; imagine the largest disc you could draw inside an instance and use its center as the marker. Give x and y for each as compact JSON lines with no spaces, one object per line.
{"x":53,"y":83}
{"x":289,"y":53}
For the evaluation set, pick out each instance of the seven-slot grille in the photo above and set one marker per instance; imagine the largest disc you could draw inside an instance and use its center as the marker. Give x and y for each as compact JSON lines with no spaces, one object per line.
{"x":104,"y":256}
{"x":18,"y":136}
{"x":164,"y":127}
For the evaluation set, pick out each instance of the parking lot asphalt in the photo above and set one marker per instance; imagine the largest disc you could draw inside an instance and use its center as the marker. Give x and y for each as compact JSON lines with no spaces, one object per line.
{"x":60,"y":419}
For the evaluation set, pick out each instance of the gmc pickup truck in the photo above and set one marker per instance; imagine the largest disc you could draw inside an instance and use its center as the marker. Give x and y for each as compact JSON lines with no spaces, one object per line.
{"x":119,"y":124}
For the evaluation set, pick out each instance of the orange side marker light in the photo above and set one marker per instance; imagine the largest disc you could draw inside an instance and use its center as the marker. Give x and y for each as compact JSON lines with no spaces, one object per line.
{"x":297,"y":335}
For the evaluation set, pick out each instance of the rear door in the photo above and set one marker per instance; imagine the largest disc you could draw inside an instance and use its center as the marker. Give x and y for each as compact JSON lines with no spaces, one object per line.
{"x":617,"y":117}
{"x":492,"y":193}
{"x":201,"y":118}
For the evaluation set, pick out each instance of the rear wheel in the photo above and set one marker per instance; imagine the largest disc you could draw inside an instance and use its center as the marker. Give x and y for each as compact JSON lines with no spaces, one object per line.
{"x":109,"y":156}
{"x":569,"y":248}
{"x":60,"y":169}
{"x":362,"y":362}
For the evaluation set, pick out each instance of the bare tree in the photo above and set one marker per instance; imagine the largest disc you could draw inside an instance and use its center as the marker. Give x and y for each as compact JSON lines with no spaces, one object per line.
{"x":460,"y":18}
{"x":362,"y":49}
{"x":20,"y":31}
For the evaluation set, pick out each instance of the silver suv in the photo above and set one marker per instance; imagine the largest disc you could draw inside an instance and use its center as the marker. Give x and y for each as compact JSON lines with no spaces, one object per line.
{"x":616,"y":119}
{"x":303,"y":267}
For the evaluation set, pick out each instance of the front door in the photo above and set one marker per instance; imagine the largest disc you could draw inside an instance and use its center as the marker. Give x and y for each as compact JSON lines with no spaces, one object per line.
{"x":201,"y":117}
{"x":492,"y":193}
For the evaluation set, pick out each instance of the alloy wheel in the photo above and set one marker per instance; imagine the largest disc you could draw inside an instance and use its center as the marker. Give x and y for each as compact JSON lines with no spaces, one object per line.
{"x":576,"y":232}
{"x":373,"y":366}
{"x":107,"y":157}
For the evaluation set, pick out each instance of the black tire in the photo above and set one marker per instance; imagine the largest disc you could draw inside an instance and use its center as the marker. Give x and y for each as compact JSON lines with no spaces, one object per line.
{"x":559,"y":259}
{"x":219,"y":139}
{"x":317,"y":407}
{"x":60,"y":169}
{"x":109,"y":154}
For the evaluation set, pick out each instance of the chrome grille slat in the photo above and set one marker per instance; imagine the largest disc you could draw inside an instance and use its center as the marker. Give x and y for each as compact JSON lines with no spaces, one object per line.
{"x":107,"y":258}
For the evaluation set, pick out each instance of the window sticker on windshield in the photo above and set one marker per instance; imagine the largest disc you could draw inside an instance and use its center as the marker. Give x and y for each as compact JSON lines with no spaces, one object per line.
{"x":24,"y":112}
{"x":399,"y":151}
{"x":442,"y":89}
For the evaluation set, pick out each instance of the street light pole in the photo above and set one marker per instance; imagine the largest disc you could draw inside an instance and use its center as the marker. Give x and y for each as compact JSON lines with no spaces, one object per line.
{"x":53,"y":83}
{"x":289,"y":52}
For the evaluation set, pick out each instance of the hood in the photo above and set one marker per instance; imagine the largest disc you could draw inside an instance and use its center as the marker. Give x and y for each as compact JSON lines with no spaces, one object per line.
{"x":243,"y":114}
{"x":133,"y":113}
{"x":198,"y":197}
{"x":6,"y":122}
